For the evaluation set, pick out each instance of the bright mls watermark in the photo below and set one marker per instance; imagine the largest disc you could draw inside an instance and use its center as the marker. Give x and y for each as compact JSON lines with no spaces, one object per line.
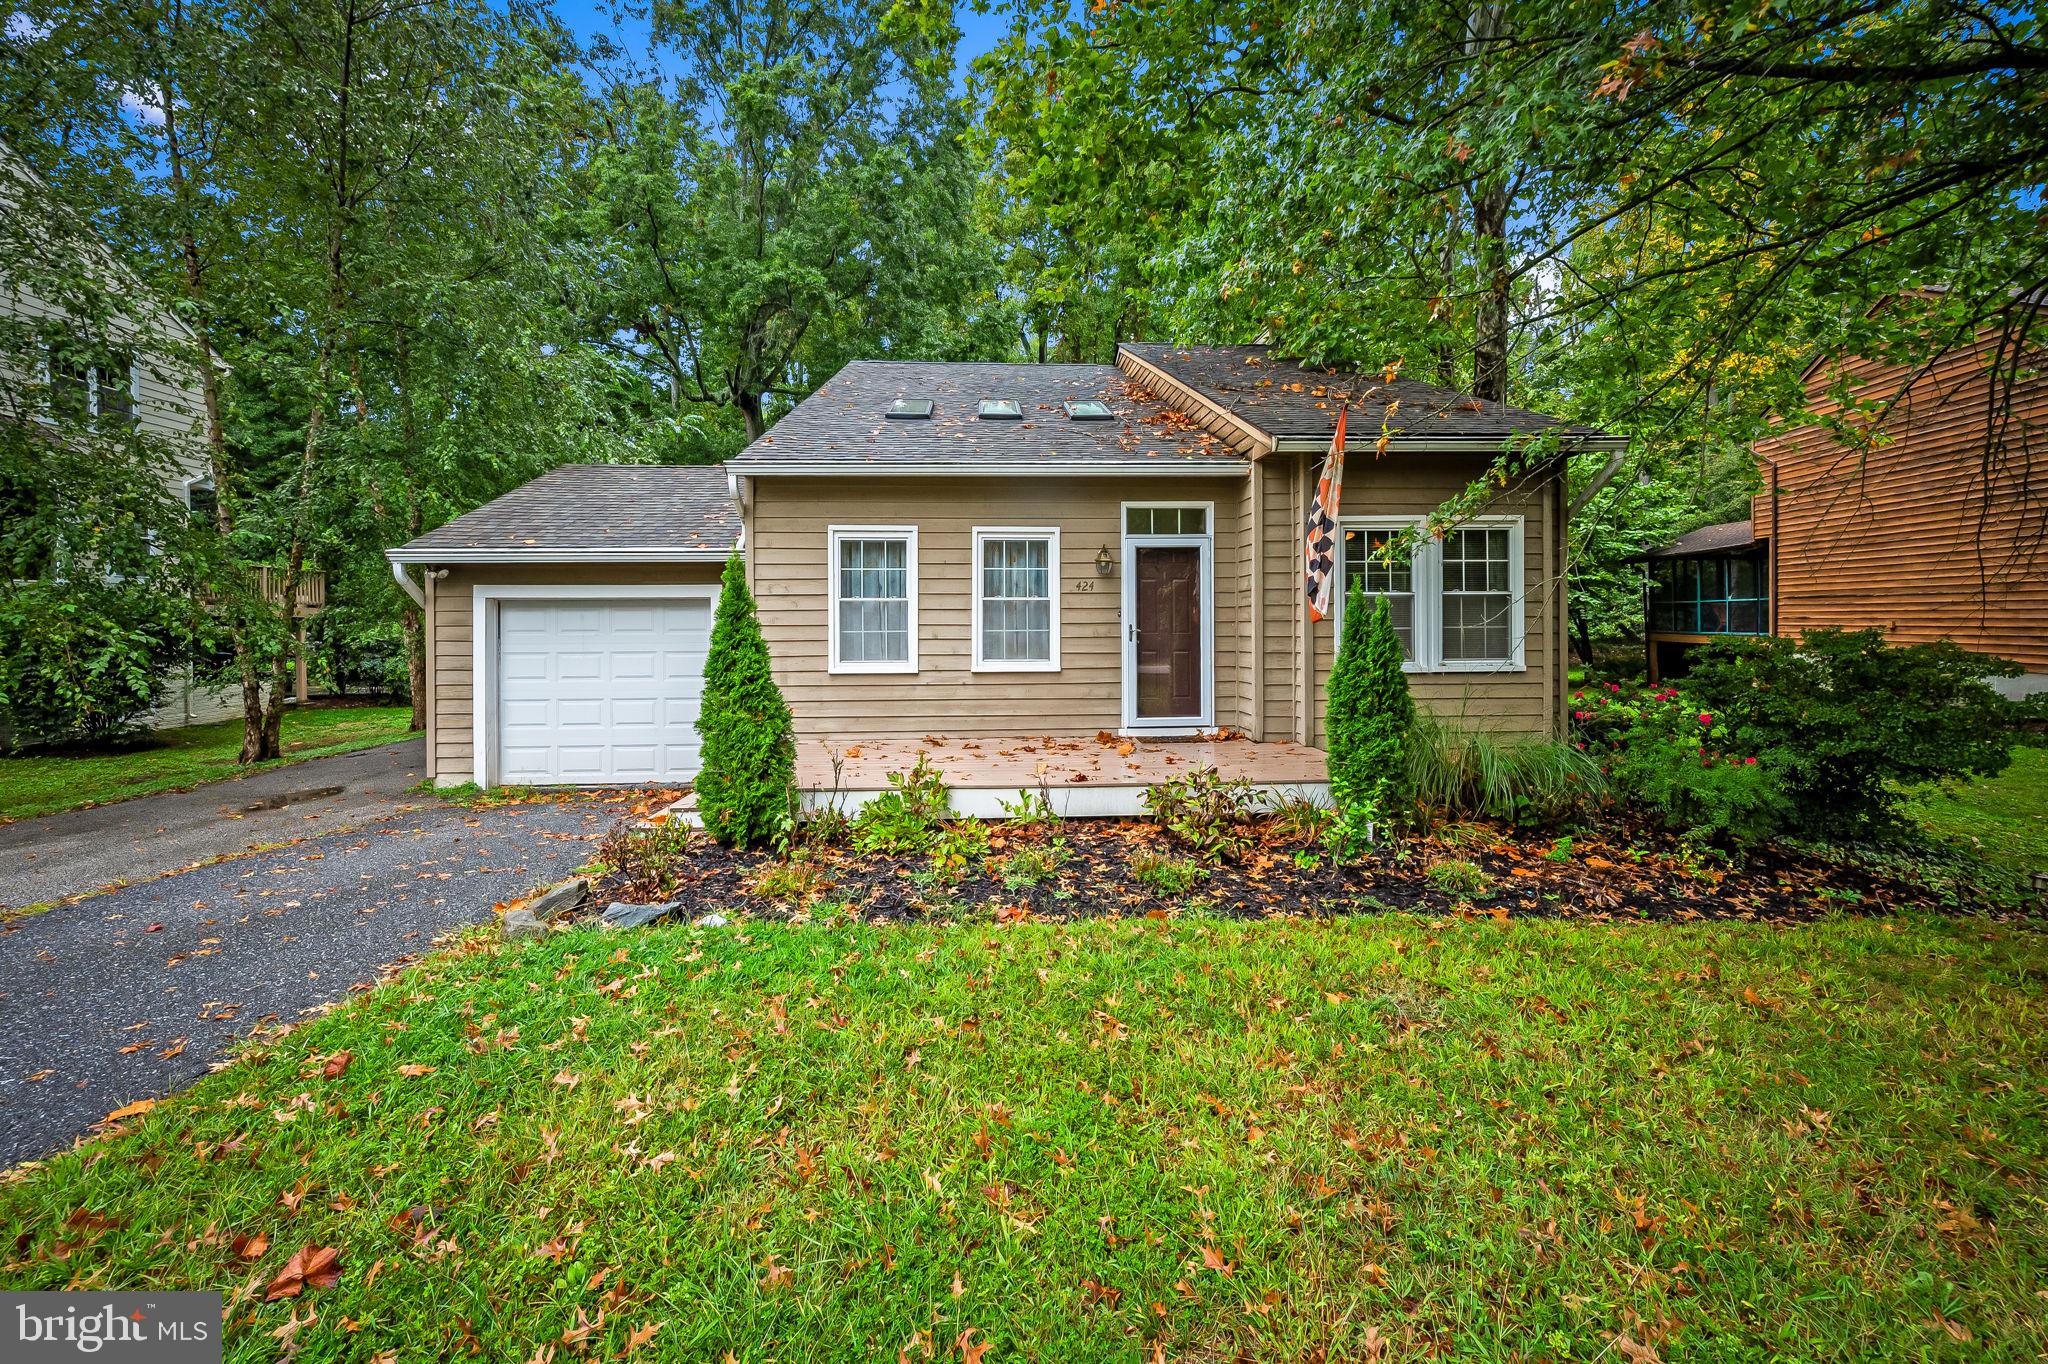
{"x":121,"y":1328}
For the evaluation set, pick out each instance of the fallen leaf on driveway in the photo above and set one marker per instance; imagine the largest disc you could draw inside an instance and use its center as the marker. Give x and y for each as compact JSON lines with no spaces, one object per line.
{"x":313,"y":1267}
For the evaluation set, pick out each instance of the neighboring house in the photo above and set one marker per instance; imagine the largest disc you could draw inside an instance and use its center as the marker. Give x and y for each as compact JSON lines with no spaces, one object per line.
{"x":998,"y":564}
{"x":1938,"y":530}
{"x":133,"y":381}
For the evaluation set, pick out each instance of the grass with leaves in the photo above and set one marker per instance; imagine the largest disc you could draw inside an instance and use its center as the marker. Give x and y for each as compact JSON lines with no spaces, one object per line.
{"x":177,"y":759}
{"x":1151,"y":1139}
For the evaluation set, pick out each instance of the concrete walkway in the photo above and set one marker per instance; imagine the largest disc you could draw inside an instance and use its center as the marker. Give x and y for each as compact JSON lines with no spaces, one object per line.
{"x":56,"y":856}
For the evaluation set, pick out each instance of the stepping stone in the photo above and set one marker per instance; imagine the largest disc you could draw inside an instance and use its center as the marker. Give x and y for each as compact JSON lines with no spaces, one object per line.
{"x":620,"y":914}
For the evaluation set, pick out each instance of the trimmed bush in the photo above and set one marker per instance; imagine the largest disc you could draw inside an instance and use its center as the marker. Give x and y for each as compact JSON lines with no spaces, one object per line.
{"x":1370,"y":710}
{"x":747,"y":788}
{"x":1845,"y":721}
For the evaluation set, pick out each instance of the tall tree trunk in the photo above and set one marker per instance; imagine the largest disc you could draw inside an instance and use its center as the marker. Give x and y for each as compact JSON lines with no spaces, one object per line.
{"x":749,"y":405}
{"x":1490,"y":232}
{"x":218,"y":465}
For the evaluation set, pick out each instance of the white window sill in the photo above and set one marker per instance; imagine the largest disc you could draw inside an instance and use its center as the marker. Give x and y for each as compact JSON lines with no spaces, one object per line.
{"x":1014,"y":666}
{"x":871,"y":669}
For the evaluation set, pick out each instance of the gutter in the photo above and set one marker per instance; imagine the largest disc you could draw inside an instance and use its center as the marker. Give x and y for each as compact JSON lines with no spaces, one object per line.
{"x":1445,"y":445}
{"x":594,"y":555}
{"x":1094,"y":468}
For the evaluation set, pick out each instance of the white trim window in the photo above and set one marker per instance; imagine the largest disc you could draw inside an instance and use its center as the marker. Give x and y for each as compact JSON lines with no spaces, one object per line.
{"x":1016,"y":599}
{"x":1457,"y":602}
{"x":873,"y":592}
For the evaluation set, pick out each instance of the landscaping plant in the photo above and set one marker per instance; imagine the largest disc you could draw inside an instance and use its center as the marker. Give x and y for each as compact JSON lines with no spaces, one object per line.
{"x":84,"y":662}
{"x":1370,"y":710}
{"x":1206,"y":811}
{"x":1680,"y":764}
{"x":908,"y":817}
{"x":1844,"y":721}
{"x":1463,"y":773}
{"x":746,"y":787}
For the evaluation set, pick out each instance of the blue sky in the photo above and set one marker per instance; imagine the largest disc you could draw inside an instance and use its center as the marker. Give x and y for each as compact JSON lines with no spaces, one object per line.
{"x":589,"y":18}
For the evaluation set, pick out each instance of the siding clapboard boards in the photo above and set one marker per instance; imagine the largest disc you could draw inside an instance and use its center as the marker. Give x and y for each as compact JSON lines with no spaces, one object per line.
{"x":787,"y":531}
{"x":1928,"y":535}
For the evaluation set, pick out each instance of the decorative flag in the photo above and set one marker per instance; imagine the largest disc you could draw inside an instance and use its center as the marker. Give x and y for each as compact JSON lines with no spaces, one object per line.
{"x":1320,"y":536}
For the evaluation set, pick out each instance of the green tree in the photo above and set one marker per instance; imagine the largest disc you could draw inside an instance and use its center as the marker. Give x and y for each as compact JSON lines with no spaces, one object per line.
{"x":1369,"y":708}
{"x":798,"y":198}
{"x":747,"y":782}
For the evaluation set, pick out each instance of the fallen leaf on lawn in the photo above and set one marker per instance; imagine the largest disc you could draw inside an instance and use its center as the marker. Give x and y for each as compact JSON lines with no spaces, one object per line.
{"x":134,"y":1110}
{"x":642,"y":1334}
{"x":313,"y":1267}
{"x":412,"y":1070}
{"x":85,"y":1219}
{"x":336,"y":1064}
{"x":777,"y":1276}
{"x":568,"y":1079}
{"x":970,"y":1353}
{"x":1635,"y":1352}
{"x":1213,"y":1259}
{"x":252,"y":1247}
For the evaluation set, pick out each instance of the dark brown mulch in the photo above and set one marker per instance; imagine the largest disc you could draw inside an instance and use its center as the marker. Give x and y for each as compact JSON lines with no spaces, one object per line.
{"x":1615,"y":875}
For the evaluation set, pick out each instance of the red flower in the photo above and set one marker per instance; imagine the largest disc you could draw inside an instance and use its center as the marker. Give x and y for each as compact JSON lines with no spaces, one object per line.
{"x":1749,"y":762}
{"x":1706,"y":719}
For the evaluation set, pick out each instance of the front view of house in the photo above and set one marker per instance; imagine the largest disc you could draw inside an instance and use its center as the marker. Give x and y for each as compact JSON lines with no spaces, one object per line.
{"x":995,"y":564}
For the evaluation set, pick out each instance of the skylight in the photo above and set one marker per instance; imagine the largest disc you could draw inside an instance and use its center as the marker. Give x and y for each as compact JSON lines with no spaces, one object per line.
{"x":909,"y":409}
{"x":1088,"y":410}
{"x":1001,"y":409}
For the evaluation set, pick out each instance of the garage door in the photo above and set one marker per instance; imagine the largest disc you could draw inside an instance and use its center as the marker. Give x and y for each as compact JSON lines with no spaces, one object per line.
{"x":598,"y":692}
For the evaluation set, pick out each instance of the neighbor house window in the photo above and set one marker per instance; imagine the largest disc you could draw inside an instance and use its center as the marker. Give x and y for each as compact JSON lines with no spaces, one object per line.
{"x":1016,"y":600}
{"x":1456,"y":603}
{"x":101,"y":386}
{"x":874,"y":599}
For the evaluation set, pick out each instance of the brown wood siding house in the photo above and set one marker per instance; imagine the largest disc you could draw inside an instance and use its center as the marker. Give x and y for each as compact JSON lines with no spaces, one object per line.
{"x":1937,"y":530}
{"x":978,"y":552}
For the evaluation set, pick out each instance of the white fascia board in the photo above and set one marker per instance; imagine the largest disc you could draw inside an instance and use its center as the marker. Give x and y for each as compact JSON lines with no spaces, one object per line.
{"x":558,"y":556}
{"x":1098,"y":468}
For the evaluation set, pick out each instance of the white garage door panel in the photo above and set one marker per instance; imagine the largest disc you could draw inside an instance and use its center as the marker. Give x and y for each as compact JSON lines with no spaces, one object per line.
{"x":598,"y":692}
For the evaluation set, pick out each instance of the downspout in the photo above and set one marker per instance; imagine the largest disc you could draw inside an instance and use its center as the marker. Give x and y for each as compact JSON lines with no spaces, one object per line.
{"x":412,"y":589}
{"x":1256,"y":722}
{"x":1305,"y":691}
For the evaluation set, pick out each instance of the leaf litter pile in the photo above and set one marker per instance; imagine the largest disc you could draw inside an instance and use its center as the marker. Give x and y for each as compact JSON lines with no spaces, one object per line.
{"x":1100,"y":867}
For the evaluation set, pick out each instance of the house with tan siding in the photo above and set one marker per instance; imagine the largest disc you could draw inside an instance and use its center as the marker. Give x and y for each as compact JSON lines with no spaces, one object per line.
{"x":1083,"y":577}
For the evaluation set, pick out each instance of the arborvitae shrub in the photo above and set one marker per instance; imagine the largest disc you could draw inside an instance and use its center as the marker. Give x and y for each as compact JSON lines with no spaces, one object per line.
{"x":746,"y":787}
{"x":1370,"y":710}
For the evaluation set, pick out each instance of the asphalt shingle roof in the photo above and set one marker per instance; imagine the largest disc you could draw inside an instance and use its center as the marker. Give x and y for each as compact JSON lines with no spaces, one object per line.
{"x":1287,"y":399}
{"x":843,"y":422}
{"x":644,"y":508}
{"x":1722,"y":539}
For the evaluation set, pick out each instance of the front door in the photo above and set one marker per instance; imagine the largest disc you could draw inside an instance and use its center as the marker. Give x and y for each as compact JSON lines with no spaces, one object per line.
{"x":1166,"y":630}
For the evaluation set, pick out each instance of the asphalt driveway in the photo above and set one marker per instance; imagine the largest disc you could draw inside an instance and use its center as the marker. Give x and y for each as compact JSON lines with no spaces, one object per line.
{"x":56,"y":856}
{"x":133,"y":993}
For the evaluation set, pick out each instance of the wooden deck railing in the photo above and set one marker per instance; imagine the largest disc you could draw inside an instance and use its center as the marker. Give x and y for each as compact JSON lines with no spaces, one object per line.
{"x":310,"y":599}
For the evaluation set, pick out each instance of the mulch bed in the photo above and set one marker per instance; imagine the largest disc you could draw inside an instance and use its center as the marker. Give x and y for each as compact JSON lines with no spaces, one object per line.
{"x":1618,"y":875}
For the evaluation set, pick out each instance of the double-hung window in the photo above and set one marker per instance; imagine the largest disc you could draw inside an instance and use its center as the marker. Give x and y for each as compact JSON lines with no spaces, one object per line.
{"x":1016,"y":600}
{"x":1456,"y":603}
{"x":874,"y":599}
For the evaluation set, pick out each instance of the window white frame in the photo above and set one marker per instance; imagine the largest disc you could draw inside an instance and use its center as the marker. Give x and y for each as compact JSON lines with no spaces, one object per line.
{"x":483,"y":659}
{"x":1128,"y":624}
{"x":833,"y":536}
{"x":1051,"y":536}
{"x":95,"y":379}
{"x":1428,"y":578}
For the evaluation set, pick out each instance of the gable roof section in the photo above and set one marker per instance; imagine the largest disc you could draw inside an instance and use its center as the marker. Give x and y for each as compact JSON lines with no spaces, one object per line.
{"x":843,"y":427}
{"x":1279,"y":402}
{"x":620,"y":513}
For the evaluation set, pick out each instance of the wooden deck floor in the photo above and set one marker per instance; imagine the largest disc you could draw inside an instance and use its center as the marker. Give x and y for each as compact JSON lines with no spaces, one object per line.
{"x":1079,"y":776}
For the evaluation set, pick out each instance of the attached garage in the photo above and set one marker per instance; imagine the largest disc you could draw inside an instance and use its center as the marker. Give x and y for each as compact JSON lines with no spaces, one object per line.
{"x":573,"y":656}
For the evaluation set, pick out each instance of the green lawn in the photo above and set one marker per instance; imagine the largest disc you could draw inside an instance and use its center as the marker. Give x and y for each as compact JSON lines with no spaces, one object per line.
{"x":1132,"y":1140}
{"x":185,"y":757}
{"x":2005,"y":817}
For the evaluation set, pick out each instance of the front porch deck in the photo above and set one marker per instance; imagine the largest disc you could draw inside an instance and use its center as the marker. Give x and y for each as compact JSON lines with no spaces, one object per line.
{"x":1080,"y":777}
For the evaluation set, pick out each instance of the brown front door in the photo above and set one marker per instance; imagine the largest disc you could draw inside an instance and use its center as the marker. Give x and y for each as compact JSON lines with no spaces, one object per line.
{"x":1168,"y":579}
